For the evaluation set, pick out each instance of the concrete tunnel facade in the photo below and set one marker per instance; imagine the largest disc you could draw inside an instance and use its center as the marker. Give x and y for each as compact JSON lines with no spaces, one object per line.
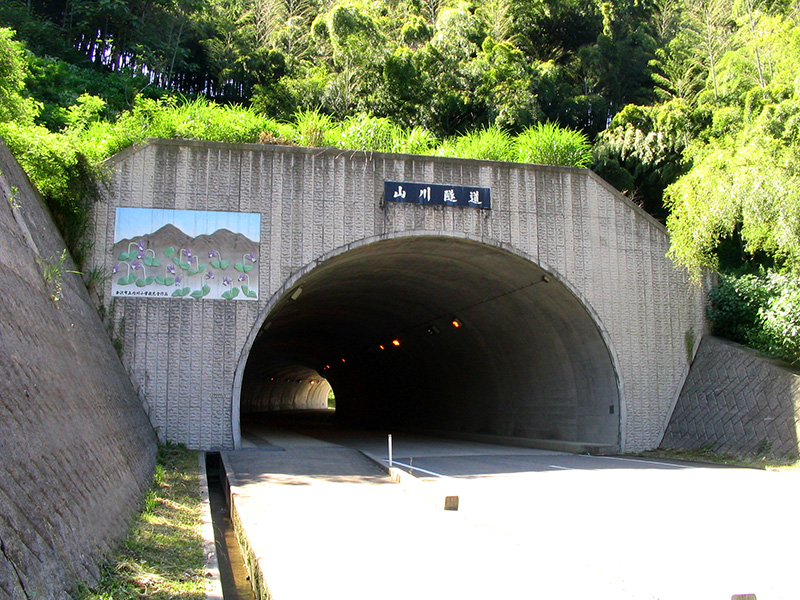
{"x":574,"y":330}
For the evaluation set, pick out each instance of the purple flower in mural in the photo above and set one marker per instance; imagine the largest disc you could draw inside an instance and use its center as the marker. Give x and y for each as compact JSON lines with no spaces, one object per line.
{"x":140,"y":255}
{"x":191,"y":259}
{"x":140,"y":246}
{"x":115,"y":268}
{"x":226,"y":281}
{"x":135,"y":265}
{"x":178,"y":280}
{"x":210,"y":275}
{"x":187,"y":252}
{"x":213,"y":254}
{"x":251,"y":257}
{"x":171,"y":269}
{"x":242,"y":277}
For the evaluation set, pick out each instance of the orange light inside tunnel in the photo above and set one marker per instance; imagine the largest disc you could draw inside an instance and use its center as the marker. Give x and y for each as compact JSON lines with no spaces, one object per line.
{"x":395,"y":342}
{"x":456,"y":323}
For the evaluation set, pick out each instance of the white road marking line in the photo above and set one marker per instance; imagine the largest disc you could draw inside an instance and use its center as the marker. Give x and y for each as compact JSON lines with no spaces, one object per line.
{"x":420,"y":470}
{"x":560,"y":467}
{"x":651,"y":462}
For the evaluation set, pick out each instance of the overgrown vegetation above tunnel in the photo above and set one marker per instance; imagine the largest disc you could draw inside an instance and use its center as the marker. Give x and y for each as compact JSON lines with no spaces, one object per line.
{"x":691,"y":107}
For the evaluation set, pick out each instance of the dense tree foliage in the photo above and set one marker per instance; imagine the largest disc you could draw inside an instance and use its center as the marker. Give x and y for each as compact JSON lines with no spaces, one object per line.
{"x":692,"y":106}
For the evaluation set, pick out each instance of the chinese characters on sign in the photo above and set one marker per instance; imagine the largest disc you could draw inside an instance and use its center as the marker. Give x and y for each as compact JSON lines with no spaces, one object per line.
{"x":437,"y":195}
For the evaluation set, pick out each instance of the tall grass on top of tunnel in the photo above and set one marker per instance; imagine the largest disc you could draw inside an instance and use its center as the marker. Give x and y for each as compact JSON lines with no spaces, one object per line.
{"x":162,"y":557}
{"x":67,"y":166}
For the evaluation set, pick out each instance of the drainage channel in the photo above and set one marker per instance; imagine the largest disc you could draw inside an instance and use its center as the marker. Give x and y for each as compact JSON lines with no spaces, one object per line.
{"x":233,"y":573}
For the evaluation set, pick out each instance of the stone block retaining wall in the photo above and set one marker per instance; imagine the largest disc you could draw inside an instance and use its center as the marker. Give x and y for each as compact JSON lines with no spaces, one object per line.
{"x":736,"y":401}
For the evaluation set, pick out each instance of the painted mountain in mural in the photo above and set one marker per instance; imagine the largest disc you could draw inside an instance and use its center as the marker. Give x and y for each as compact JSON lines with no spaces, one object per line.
{"x":170,"y":236}
{"x":170,"y":263}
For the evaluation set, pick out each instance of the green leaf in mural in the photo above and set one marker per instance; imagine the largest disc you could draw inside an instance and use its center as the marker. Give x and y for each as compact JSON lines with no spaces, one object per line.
{"x":231,"y":293}
{"x":169,"y":251}
{"x":125,"y":256}
{"x":151,"y":261}
{"x":242,"y":268}
{"x":199,"y":269}
{"x":182,"y":265}
{"x":127,"y":280}
{"x":201,"y":292}
{"x":169,"y":280}
{"x":161,"y":281}
{"x":141,"y":282}
{"x":181,"y":292}
{"x":248,"y":292}
{"x":220,"y":264}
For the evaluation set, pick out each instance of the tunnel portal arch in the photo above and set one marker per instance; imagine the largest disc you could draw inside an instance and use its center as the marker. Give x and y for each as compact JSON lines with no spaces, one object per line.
{"x":309,"y":216}
{"x":436,"y":332}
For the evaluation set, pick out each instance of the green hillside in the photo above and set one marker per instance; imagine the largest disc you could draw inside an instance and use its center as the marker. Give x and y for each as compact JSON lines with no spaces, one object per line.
{"x":690,"y":107}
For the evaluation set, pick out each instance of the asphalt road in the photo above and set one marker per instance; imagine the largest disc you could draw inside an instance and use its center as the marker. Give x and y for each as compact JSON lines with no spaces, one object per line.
{"x":541,"y":524}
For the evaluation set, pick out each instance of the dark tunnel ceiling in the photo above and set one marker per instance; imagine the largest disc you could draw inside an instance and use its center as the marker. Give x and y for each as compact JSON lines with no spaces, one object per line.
{"x":527,"y":346}
{"x":388,"y":289}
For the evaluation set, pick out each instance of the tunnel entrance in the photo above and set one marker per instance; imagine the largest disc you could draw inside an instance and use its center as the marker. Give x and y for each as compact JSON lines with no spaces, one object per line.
{"x":437,"y":334}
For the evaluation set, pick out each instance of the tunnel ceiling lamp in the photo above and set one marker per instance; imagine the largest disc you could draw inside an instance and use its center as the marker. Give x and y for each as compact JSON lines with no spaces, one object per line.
{"x":433,"y":330}
{"x":297,"y":293}
{"x":395,"y":342}
{"x":381,"y":346}
{"x":456,"y":323}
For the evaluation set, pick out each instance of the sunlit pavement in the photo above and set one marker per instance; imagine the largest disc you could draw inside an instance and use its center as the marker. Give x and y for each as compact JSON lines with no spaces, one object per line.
{"x":325,"y":523}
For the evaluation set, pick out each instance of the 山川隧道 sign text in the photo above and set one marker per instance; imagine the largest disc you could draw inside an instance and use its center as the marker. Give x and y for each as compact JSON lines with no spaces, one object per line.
{"x":437,"y":195}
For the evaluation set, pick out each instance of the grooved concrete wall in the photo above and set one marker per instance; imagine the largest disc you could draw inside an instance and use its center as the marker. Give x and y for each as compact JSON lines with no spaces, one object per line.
{"x":316,"y":201}
{"x":738,"y":402}
{"x":76,"y":448}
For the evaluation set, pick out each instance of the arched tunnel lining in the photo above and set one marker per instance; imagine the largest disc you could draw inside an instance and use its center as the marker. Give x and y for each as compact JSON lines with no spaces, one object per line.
{"x":528,"y":360}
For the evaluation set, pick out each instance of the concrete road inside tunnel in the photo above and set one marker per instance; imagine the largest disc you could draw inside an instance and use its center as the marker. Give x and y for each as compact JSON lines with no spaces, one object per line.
{"x":325,"y":522}
{"x":440,"y":333}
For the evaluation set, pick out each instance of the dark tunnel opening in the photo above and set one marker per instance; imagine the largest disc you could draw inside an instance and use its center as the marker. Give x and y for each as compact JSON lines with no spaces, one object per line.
{"x":436,"y":334}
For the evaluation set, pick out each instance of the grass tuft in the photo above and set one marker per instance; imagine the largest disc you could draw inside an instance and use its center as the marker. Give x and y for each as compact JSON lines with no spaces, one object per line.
{"x":163,"y":555}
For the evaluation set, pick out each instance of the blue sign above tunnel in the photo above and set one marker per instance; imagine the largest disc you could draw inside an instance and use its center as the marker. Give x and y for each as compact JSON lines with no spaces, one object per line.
{"x":437,"y":194}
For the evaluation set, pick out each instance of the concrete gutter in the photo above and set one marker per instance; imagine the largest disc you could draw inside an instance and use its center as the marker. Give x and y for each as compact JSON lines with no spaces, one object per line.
{"x":211,"y":564}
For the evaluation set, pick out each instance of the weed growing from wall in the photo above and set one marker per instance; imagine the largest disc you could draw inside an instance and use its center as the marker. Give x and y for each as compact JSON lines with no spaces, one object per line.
{"x":13,"y":201}
{"x":53,"y":272}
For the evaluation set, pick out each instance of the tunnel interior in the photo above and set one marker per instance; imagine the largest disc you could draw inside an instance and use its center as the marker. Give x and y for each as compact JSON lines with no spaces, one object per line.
{"x":436,"y":334}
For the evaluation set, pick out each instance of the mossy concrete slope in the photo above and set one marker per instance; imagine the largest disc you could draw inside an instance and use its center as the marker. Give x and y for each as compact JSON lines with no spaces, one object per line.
{"x":77,"y":448}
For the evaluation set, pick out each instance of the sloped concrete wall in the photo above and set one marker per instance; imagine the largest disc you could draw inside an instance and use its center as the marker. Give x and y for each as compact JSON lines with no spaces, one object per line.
{"x":315,"y":203}
{"x":76,"y":449}
{"x":736,"y":401}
